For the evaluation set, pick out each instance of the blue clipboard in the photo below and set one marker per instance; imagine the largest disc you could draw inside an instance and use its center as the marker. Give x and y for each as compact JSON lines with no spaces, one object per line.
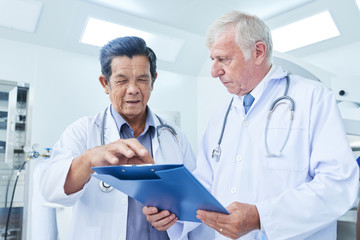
{"x":168,"y":187}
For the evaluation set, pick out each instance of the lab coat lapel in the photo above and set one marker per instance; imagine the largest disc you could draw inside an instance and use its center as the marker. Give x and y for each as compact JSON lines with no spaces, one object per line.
{"x":111,"y":133}
{"x":155,"y":142}
{"x":275,"y":75}
{"x":278,"y":73}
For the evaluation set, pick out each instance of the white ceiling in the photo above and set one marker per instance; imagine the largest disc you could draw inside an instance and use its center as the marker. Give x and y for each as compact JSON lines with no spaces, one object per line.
{"x":196,"y":15}
{"x":61,"y":24}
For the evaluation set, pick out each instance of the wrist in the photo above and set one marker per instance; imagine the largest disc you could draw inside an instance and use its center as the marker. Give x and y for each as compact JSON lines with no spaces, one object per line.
{"x":84,"y":162}
{"x":257,"y":222}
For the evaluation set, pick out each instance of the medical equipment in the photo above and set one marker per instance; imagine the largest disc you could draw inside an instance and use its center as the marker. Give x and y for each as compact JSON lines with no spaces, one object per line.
{"x":167,"y":138}
{"x":105,"y":187}
{"x":216,"y":153}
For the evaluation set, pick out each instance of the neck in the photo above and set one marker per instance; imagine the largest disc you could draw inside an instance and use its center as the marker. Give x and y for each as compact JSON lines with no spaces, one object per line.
{"x":138,"y":124}
{"x":260,"y":73}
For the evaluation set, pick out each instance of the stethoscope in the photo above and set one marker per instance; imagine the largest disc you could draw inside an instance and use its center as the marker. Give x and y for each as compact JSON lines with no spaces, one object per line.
{"x":163,"y":126}
{"x":216,"y":153}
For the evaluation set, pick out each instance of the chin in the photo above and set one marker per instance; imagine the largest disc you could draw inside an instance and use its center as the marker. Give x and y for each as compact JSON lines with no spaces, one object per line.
{"x":134,"y":114}
{"x":232,"y":91}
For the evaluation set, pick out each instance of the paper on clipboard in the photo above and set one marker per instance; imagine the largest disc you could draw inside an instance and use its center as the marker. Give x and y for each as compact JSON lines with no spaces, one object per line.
{"x":167,"y":186}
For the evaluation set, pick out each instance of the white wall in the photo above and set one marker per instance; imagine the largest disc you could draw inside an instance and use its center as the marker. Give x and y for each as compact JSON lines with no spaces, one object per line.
{"x":66,"y":88}
{"x":177,"y":92}
{"x":17,"y":61}
{"x":332,"y":60}
{"x":63,"y":86}
{"x":211,"y":95}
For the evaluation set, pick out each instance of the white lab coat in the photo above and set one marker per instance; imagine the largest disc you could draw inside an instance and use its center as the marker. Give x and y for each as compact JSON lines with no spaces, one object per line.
{"x":96,"y":215}
{"x":299,"y":195}
{"x":43,"y":218}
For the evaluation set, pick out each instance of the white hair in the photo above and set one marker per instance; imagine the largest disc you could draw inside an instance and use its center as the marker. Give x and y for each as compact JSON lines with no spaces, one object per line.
{"x":249,"y":30}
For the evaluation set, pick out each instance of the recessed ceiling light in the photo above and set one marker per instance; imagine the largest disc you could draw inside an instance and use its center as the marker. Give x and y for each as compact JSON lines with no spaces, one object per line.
{"x":19,"y":14}
{"x":310,"y":30}
{"x":98,"y":33}
{"x":358,"y":3}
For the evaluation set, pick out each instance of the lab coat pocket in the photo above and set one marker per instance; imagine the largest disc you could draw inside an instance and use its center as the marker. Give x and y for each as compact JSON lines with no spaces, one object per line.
{"x":286,"y":147}
{"x":283,"y":163}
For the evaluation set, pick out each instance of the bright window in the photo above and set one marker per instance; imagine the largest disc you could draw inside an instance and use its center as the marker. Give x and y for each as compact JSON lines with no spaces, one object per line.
{"x":99,"y":32}
{"x":304,"y":32}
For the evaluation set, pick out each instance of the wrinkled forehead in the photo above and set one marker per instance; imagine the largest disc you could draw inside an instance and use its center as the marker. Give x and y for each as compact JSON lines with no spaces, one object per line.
{"x":138,"y":64}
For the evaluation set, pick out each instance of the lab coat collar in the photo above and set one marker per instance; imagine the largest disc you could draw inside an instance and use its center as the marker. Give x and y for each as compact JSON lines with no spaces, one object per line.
{"x":275,"y":73}
{"x":110,"y":129}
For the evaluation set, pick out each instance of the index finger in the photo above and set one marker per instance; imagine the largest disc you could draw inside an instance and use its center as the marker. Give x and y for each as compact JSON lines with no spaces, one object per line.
{"x":139,"y":150}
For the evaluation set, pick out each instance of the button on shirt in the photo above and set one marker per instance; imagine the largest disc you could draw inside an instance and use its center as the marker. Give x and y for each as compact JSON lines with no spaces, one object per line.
{"x":137,"y":225}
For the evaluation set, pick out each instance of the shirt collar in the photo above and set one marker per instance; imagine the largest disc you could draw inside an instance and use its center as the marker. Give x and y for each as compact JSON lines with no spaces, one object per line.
{"x":121,"y":124}
{"x":257,"y":91}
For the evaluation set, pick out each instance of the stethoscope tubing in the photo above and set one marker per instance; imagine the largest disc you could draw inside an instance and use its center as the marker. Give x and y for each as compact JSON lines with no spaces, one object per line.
{"x":216,"y":153}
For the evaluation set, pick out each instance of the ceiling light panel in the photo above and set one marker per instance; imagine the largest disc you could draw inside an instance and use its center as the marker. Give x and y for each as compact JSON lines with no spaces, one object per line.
{"x":307,"y":31}
{"x":19,"y":14}
{"x":98,"y":32}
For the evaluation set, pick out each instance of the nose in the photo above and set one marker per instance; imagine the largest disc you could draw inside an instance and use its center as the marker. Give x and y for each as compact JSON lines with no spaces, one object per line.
{"x":133,"y":88}
{"x":217,"y":70}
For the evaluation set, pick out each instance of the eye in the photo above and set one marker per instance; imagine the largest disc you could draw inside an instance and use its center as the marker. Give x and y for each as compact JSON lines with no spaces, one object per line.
{"x":120,"y":81}
{"x":225,"y":60}
{"x":144,"y":79}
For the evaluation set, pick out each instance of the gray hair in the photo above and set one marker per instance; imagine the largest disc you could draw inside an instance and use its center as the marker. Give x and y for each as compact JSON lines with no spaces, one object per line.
{"x":126,"y":46}
{"x":249,"y":30}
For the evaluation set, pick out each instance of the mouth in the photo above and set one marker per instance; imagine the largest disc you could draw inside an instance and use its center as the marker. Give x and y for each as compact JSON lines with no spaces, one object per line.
{"x":132,"y":101}
{"x":225,"y":83}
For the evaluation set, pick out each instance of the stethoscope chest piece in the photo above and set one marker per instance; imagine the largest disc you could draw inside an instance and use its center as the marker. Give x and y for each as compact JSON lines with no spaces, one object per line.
{"x":105,"y":187}
{"x":216,"y":153}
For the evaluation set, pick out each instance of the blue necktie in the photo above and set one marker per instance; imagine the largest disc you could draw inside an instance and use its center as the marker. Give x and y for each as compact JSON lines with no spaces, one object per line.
{"x":248,"y":101}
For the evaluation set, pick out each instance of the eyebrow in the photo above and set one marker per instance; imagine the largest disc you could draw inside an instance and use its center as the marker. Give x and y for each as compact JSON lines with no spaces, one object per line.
{"x":121,"y":75}
{"x":144,"y":76}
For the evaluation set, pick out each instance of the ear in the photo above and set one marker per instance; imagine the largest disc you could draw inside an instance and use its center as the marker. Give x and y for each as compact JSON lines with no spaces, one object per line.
{"x":153,"y":81}
{"x":104,"y":83}
{"x":260,"y":51}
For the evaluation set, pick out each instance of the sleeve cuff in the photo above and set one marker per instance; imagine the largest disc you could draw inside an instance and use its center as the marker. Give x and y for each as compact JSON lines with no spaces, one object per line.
{"x":175,"y":231}
{"x":262,"y":228}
